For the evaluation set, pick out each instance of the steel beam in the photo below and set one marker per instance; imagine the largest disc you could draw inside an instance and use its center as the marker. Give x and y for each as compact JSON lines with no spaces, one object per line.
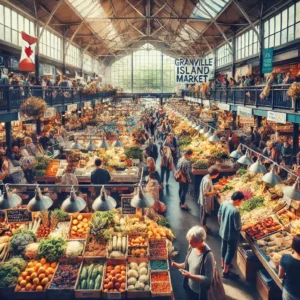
{"x":50,"y":16}
{"x":247,"y":18}
{"x":73,"y":36}
{"x":150,"y":18}
{"x":134,"y":9}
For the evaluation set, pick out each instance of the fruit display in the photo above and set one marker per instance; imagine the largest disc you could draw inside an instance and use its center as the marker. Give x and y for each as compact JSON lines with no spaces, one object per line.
{"x":159,"y":265}
{"x":36,"y":276}
{"x":295,"y":227}
{"x":65,"y":276}
{"x":262,"y":228}
{"x":52,"y":168}
{"x":137,"y":240}
{"x":95,"y":248}
{"x":137,"y":251}
{"x":138,"y":277}
{"x":79,"y":225}
{"x":90,"y":277}
{"x":115,"y":278}
{"x":160,"y":282}
{"x":275,"y":243}
{"x":117,"y":246}
{"x":158,"y":249}
{"x":285,"y":216}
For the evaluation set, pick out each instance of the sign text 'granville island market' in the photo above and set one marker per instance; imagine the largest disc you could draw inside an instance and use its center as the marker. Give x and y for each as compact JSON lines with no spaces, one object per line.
{"x":192,"y":70}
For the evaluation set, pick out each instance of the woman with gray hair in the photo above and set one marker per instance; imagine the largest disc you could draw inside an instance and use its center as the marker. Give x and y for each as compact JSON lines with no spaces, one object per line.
{"x":198,"y":268}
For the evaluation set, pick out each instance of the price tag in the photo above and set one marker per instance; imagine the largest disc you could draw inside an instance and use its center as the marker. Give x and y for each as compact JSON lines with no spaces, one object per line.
{"x":287,"y":200}
{"x":18,"y":215}
{"x":127,"y":209}
{"x":114,"y":296}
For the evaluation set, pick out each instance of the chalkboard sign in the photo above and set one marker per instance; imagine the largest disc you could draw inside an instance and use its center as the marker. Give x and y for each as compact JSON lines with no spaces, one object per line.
{"x":127,"y":209}
{"x":19,"y":216}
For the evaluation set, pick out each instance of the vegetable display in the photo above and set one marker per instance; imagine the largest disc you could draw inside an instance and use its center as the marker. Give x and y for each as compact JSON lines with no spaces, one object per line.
{"x":115,"y":278}
{"x":160,"y":282}
{"x":4,"y":246}
{"x":90,"y":277}
{"x":10,"y":272}
{"x":20,"y":240}
{"x":251,"y":204}
{"x":65,"y":276}
{"x":201,"y":164}
{"x":117,"y":246}
{"x":36,"y":276}
{"x":158,"y":248}
{"x":138,"y":277}
{"x":133,"y":152}
{"x":158,"y":265}
{"x":52,"y":249}
{"x":74,"y":248}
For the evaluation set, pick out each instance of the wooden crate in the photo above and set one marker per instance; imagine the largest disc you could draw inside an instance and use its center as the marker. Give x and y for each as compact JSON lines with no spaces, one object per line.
{"x":138,"y":258}
{"x":79,"y":293}
{"x":123,"y":257}
{"x":139,"y":294}
{"x":85,"y":215}
{"x":267,"y":292}
{"x":248,"y":267}
{"x":153,"y":283}
{"x":163,"y":257}
{"x":168,"y":265}
{"x":95,"y":256}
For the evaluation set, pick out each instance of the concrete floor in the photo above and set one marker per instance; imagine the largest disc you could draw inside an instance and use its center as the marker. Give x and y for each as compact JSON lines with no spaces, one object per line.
{"x":181,"y":221}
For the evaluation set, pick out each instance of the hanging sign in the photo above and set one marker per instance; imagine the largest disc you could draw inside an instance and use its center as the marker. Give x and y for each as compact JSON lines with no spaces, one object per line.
{"x":206,"y":102}
{"x":18,"y":215}
{"x":127,"y":209}
{"x":71,"y":107}
{"x":50,"y":112}
{"x":223,"y":106}
{"x":87,"y":104}
{"x":244,"y":112}
{"x":193,"y":70}
{"x":27,"y":60}
{"x":276,"y":117}
{"x":267,"y":64}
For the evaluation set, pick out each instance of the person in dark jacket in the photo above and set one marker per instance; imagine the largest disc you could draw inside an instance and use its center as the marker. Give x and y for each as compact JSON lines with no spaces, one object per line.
{"x":151,"y":149}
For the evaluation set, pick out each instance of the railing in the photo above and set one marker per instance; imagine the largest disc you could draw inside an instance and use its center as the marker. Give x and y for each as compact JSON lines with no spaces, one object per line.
{"x":251,"y":96}
{"x":12,"y":96}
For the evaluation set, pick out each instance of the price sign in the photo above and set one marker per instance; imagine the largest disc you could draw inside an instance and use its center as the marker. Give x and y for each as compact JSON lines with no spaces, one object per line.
{"x":71,"y":107}
{"x":127,"y":209}
{"x":114,"y":296}
{"x":18,"y":216}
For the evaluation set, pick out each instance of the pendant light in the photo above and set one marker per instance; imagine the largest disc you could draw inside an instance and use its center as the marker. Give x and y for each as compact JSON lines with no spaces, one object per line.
{"x":104,"y":144}
{"x":245,"y":159}
{"x":271,"y":177}
{"x":209,"y":133}
{"x":258,"y":167}
{"x":104,"y":202}
{"x":73,"y":203}
{"x":214,"y":138}
{"x":204,"y":130}
{"x":142,"y":199}
{"x":91,"y":146}
{"x":8,"y":199}
{"x":117,"y":143}
{"x":198,"y":127}
{"x":39,"y":202}
{"x":293,"y":192}
{"x":237,"y":153}
{"x":194,"y":125}
{"x":76,"y":145}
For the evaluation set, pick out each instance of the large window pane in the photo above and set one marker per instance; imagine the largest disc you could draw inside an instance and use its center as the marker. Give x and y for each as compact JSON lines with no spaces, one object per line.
{"x":272,"y":26}
{"x":291,"y":34}
{"x":297,"y":31}
{"x":277,"y":39}
{"x":284,"y":19}
{"x":291,"y":15}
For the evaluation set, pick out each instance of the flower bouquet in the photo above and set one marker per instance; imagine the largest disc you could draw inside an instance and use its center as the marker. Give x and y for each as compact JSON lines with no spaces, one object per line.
{"x":294,"y":92}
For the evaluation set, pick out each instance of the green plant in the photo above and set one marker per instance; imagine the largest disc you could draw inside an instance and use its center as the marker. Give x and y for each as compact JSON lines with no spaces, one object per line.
{"x":134,"y":152}
{"x":201,"y":164}
{"x":20,"y":240}
{"x":52,"y":249}
{"x":251,"y":203}
{"x":33,"y":108}
{"x":220,"y":154}
{"x":241,"y":171}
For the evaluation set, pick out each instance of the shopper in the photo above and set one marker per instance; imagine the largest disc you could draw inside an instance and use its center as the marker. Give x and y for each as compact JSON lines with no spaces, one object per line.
{"x":151,"y":168}
{"x":199,"y":266}
{"x":287,"y":153}
{"x":153,"y":188}
{"x":151,"y":149}
{"x":166,"y":164}
{"x":230,"y":225}
{"x":185,"y":166}
{"x":289,"y":271}
{"x":206,"y":195}
{"x":287,"y":79}
{"x":100,"y":175}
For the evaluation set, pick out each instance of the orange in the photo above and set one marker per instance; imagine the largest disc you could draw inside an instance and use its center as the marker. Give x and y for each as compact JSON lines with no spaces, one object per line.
{"x":30,"y":265}
{"x":38,"y":265}
{"x":33,"y":275}
{"x":27,"y":278}
{"x":23,"y":289}
{"x":109,"y":268}
{"x":43,"y":261}
{"x":41,"y":270}
{"x":20,"y":279}
{"x":42,"y":276}
{"x":39,"y":288}
{"x":30,"y":271}
{"x":50,"y":276}
{"x":53,"y":265}
{"x":50,"y":270}
{"x":44,"y":281}
{"x":35,"y":281}
{"x":23,"y":283}
{"x":28,"y":287}
{"x":46,"y":266}
{"x":35,"y":262}
{"x":18,"y":288}
{"x":123,"y":285}
{"x":24,"y":274}
{"x":33,"y":288}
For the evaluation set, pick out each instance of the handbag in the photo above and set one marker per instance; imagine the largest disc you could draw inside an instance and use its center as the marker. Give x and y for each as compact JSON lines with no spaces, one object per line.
{"x":180,"y":176}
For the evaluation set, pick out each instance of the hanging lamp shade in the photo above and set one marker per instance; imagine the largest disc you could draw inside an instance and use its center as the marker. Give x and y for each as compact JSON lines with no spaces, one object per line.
{"x":214,"y":138}
{"x":208,"y":134}
{"x":142,"y":199}
{"x":73,"y":203}
{"x":293,"y":192}
{"x":104,"y":144}
{"x":76,"y":145}
{"x":194,"y":125}
{"x":245,"y":159}
{"x":236,"y":153}
{"x":198,"y":127}
{"x":8,"y":199}
{"x":39,"y":202}
{"x":271,"y":177}
{"x":91,"y":146}
{"x":203,"y":130}
{"x":104,"y":202}
{"x":258,"y":167}
{"x":117,"y":143}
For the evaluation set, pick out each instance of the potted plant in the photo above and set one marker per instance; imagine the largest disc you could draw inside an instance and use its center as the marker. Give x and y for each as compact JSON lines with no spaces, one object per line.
{"x":294,"y":93}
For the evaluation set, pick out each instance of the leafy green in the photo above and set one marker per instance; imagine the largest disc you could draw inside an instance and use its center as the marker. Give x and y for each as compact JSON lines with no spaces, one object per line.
{"x":52,"y":249}
{"x":220,"y":154}
{"x":241,"y":171}
{"x":251,"y":204}
{"x":226,"y":187}
{"x":10,"y":271}
{"x":201,"y":164}
{"x":100,"y":222}
{"x":185,"y":141}
{"x":20,"y":240}
{"x":163,"y":222}
{"x":62,"y":216}
{"x":133,"y":152}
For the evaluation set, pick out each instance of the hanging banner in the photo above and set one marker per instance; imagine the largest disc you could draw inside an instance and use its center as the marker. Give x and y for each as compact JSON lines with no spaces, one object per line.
{"x":223,"y":106}
{"x":27,"y":61}
{"x":193,"y":70}
{"x":87,"y":104}
{"x":71,"y":107}
{"x":244,"y":112}
{"x":267,"y":64}
{"x":276,"y":117}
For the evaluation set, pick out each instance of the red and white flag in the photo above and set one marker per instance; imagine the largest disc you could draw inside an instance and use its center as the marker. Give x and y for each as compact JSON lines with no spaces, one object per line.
{"x":27,"y":61}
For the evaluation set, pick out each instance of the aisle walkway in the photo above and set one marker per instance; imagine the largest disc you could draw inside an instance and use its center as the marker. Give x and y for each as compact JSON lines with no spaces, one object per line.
{"x":181,"y":221}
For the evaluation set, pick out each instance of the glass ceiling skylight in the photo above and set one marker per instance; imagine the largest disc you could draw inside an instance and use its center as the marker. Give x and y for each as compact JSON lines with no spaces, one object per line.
{"x":208,"y":9}
{"x":88,"y":8}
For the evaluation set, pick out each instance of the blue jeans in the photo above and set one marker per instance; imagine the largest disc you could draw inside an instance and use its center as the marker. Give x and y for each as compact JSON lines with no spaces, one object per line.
{"x":165,"y":170}
{"x":228,"y":250}
{"x":183,"y":189}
